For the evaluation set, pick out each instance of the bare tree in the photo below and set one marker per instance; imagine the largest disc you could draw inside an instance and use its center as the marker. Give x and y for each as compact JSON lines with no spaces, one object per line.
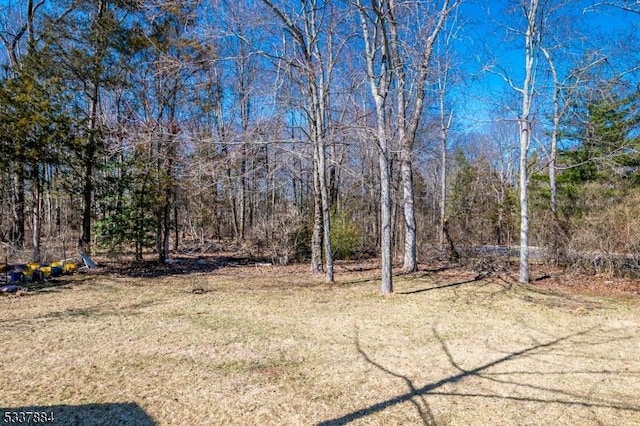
{"x":388,"y":62}
{"x":411,"y":80}
{"x":531,"y":38}
{"x":13,"y":29}
{"x":555,"y":117}
{"x":377,"y":53}
{"x":626,"y":5}
{"x":561,"y":88}
{"x":445,"y":116}
{"x":531,"y":34}
{"x":316,"y":64}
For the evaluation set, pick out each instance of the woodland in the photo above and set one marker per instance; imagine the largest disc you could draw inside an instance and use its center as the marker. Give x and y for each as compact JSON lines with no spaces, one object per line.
{"x":315,"y":131}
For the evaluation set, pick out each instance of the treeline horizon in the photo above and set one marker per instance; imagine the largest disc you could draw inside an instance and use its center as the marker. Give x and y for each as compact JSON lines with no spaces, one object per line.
{"x":318,"y":130}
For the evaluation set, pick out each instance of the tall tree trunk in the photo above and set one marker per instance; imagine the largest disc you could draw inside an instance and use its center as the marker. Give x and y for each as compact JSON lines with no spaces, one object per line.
{"x":410,"y":243}
{"x":326,"y":209}
{"x":408,"y":125}
{"x":242,"y":201}
{"x":316,"y":75}
{"x":524,"y":205}
{"x":553,"y":187}
{"x":316,"y":236}
{"x":176,"y":234}
{"x":37,"y":214}
{"x":443,"y":186}
{"x":244,"y":100}
{"x":231,"y":196}
{"x":91,"y":148}
{"x":166,"y":231}
{"x":87,"y":198}
{"x":445,"y":124}
{"x":165,"y":224}
{"x":17,"y":227}
{"x":317,"y":89}
{"x":386,"y":246}
{"x":524,"y":125}
{"x":234,"y":214}
{"x":379,"y":82}
{"x":410,"y":263}
{"x":500,"y":220}
{"x":319,"y":97}
{"x":554,"y":133}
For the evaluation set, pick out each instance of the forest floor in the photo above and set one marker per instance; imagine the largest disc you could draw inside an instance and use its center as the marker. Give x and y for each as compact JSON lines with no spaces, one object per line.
{"x":230,"y":342}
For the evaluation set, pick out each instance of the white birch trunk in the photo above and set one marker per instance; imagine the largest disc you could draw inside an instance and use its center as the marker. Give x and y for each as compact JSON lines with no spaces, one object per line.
{"x":379,"y":83}
{"x":410,"y":244}
{"x":524,"y":123}
{"x":316,"y":237}
{"x":523,"y":276}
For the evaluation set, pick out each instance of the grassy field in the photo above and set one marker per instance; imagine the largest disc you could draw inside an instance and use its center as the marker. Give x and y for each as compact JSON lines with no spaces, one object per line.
{"x":276,"y":346}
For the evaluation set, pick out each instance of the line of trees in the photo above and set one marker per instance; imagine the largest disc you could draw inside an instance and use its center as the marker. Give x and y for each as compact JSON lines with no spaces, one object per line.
{"x":314,"y":130}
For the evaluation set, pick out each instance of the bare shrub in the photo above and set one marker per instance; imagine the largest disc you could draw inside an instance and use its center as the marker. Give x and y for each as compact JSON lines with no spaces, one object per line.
{"x":284,"y":236}
{"x":552,"y":233}
{"x":609,"y":241}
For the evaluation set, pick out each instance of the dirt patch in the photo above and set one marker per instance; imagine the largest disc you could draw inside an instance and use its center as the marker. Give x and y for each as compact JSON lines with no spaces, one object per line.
{"x":594,"y":285}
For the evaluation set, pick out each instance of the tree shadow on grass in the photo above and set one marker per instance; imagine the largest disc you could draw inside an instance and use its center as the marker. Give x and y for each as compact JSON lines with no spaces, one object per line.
{"x":418,"y":401}
{"x":128,"y":413}
{"x":416,"y":395}
{"x":96,"y":310}
{"x":423,"y":272}
{"x":477,"y":278}
{"x":529,"y":293}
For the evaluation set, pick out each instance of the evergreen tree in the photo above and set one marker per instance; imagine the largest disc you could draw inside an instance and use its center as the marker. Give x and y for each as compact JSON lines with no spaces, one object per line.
{"x":90,"y":48}
{"x":36,"y":132}
{"x":603,"y":142}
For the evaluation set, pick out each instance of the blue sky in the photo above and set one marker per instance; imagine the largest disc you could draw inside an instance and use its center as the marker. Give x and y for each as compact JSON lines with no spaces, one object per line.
{"x":484,"y":39}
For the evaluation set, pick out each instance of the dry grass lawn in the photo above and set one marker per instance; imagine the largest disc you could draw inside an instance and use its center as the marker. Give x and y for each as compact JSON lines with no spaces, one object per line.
{"x":276,"y":346}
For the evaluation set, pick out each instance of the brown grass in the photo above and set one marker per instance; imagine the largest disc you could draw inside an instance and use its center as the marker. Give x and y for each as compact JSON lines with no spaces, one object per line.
{"x":277,"y":346}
